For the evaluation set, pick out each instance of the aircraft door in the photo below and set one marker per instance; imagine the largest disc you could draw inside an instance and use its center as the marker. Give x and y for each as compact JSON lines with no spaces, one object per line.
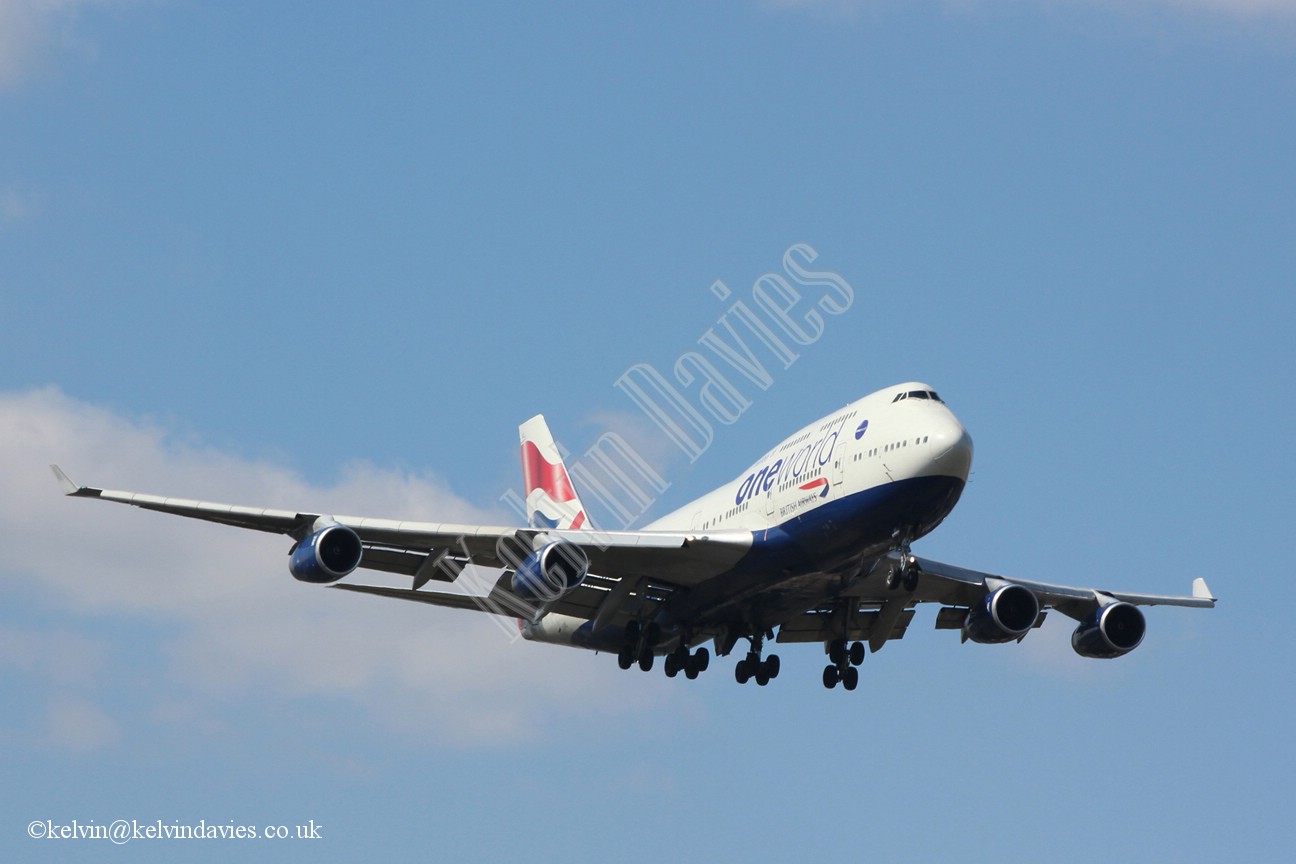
{"x":837,"y":470}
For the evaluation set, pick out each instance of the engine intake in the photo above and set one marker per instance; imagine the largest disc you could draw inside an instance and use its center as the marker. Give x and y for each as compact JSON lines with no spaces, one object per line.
{"x":1007,"y":613}
{"x":1111,"y":631}
{"x":326,"y":556}
{"x":551,"y":572}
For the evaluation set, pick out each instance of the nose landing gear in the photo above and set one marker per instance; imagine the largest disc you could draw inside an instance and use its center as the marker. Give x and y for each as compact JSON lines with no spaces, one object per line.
{"x":904,"y":566}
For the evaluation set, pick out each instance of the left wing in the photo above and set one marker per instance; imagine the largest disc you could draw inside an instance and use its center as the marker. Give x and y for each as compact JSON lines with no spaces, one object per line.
{"x":960,"y":586}
{"x":985,"y":606}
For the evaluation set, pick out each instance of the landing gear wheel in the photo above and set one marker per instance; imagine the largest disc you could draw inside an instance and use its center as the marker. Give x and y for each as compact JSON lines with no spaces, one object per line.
{"x":646,"y":660}
{"x":830,"y":677}
{"x":772,"y":666}
{"x":857,"y":653}
{"x":741,"y":673}
{"x":696,"y":663}
{"x":911,"y":579}
{"x":850,"y":678}
{"x":626,"y":657}
{"x":672,"y":665}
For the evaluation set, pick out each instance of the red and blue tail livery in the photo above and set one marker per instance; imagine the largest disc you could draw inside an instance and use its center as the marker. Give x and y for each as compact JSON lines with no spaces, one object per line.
{"x":551,"y":500}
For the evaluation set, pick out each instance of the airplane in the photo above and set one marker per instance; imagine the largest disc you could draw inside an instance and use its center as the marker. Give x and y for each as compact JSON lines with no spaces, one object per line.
{"x":811,"y":544}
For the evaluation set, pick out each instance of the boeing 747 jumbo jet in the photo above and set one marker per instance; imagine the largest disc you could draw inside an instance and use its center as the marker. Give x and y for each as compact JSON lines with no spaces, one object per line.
{"x":810,"y":544}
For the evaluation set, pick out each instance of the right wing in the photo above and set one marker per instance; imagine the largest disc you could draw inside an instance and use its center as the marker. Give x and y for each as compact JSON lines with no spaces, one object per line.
{"x":621,"y":562}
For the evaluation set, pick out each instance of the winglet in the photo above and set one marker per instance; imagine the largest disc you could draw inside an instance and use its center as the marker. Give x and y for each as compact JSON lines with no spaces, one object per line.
{"x":1201,"y":592}
{"x":70,"y":488}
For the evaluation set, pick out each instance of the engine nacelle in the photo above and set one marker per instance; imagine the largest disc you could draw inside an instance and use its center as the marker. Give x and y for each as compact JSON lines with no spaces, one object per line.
{"x":1113,"y":630}
{"x":327,"y":555}
{"x":550,"y":572}
{"x":1007,"y":613}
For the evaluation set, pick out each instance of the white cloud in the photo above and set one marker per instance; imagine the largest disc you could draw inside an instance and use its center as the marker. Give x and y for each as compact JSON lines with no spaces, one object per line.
{"x":14,"y":207}
{"x":21,"y":35}
{"x":31,"y":30}
{"x":75,"y":723}
{"x":229,"y":621}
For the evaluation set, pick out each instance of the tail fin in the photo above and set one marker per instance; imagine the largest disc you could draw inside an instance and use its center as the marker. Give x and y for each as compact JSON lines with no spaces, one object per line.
{"x":551,"y":499}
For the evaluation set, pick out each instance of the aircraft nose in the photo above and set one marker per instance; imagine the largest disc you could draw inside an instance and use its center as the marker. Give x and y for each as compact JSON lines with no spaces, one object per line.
{"x":951,"y":448}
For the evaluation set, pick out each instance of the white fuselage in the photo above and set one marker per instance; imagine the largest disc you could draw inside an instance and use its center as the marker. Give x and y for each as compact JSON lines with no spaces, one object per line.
{"x":886,"y":437}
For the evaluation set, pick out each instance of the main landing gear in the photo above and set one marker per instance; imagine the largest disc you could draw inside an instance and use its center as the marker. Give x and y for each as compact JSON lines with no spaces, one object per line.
{"x":640,"y":647}
{"x":753,"y":667}
{"x":692,"y":664}
{"x":842,"y":663}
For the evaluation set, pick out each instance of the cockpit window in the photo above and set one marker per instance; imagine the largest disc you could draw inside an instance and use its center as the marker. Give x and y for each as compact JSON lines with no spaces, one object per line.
{"x":918,"y":394}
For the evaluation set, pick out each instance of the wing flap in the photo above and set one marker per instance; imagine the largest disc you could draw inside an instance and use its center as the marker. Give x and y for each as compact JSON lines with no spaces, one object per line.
{"x":489,"y":603}
{"x":823,"y":626}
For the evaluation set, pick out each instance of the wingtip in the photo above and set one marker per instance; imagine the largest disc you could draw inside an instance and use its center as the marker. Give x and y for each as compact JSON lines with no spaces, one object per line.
{"x":70,"y":488}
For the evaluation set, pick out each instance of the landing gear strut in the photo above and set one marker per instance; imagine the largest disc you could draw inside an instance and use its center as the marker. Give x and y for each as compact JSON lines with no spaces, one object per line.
{"x":753,"y":667}
{"x":842,"y":663}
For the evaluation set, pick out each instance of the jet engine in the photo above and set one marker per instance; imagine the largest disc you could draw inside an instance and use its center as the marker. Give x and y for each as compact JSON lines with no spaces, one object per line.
{"x":1007,"y":613}
{"x":1111,"y":631}
{"x":550,"y":572}
{"x":326,"y":556}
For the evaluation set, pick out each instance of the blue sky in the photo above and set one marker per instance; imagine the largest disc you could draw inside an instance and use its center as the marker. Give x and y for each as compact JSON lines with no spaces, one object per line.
{"x":324,"y":256}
